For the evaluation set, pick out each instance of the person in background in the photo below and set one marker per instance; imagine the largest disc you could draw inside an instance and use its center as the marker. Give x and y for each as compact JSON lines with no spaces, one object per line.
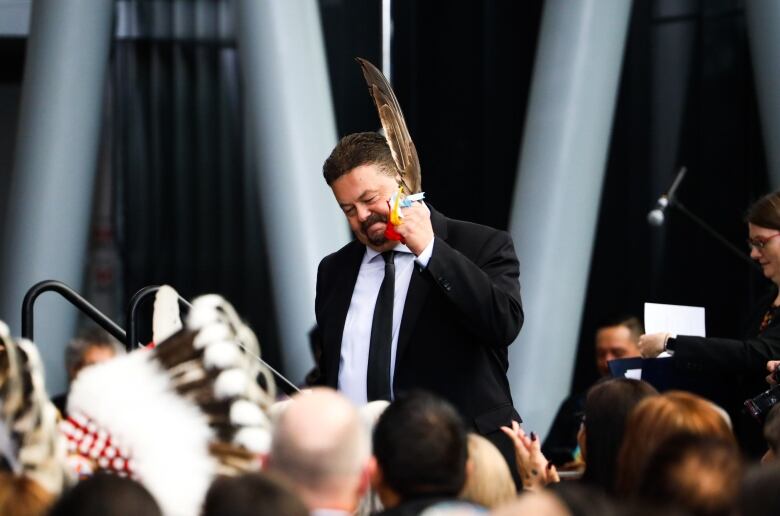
{"x":421,"y":452}
{"x":739,"y":363}
{"x":489,"y":483}
{"x":321,"y":446}
{"x":616,"y":337}
{"x":252,"y":494}
{"x":92,"y":346}
{"x":772,"y":435}
{"x":657,"y":418}
{"x":700,"y":474}
{"x":104,"y":494}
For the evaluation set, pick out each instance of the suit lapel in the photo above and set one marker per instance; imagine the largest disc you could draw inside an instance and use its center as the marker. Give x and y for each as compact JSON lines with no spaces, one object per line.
{"x":419,"y":286}
{"x":347,"y":276}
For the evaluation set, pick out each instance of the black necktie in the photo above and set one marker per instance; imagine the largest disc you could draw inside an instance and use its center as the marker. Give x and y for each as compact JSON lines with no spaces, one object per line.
{"x":378,"y":374}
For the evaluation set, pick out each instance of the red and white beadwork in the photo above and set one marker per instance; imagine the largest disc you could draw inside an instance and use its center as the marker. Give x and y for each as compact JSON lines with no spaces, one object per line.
{"x":91,"y":449}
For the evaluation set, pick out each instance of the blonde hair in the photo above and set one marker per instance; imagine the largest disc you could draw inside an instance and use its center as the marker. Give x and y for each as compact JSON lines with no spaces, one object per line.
{"x":657,"y":418}
{"x":489,"y":483}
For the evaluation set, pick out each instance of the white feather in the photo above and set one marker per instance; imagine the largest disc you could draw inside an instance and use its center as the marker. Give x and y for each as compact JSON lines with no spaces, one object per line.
{"x":256,"y":440}
{"x":221,"y":355}
{"x":230,"y":383}
{"x":166,"y":319}
{"x":168,"y":437}
{"x":246,"y":413}
{"x":212,"y":332}
{"x":204,"y":311}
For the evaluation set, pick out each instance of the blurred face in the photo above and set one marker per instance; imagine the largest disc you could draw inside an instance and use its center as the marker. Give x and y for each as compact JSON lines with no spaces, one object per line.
{"x":93,"y":355}
{"x":767,"y":256}
{"x":362,"y":194}
{"x":613,"y":342}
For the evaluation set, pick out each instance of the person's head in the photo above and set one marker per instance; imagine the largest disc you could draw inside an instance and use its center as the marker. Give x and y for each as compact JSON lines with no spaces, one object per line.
{"x":534,"y":503}
{"x":585,"y":500}
{"x":420,"y":447}
{"x":322,"y":447}
{"x":92,"y":346}
{"x":699,"y":473}
{"x":772,"y":435}
{"x":252,"y":494}
{"x":763,"y":218}
{"x":617,"y":337}
{"x":759,"y":495}
{"x":607,"y":406}
{"x":106,"y":494}
{"x":658,"y":418}
{"x":489,"y":481}
{"x":362,"y":175}
{"x":22,"y":496}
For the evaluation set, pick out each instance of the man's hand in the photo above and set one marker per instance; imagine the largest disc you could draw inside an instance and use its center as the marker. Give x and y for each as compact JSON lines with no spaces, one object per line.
{"x":652,"y":344}
{"x":416,"y":227}
{"x":771,"y":366}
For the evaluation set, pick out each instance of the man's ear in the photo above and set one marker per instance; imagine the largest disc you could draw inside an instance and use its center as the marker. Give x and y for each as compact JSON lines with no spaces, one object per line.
{"x":469,"y":468}
{"x":582,"y":435}
{"x":374,"y":473}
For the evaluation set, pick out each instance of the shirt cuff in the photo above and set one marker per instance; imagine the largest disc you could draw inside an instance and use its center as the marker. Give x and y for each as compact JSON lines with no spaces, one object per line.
{"x":425,"y":256}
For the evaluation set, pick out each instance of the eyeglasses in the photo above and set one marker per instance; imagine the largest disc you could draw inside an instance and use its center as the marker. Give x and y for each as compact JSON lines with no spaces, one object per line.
{"x":760,"y":243}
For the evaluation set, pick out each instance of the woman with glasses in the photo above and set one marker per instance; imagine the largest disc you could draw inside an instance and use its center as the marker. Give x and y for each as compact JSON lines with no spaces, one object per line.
{"x":739,"y":363}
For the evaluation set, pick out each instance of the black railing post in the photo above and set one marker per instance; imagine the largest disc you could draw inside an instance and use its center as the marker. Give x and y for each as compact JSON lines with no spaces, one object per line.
{"x":70,"y":295}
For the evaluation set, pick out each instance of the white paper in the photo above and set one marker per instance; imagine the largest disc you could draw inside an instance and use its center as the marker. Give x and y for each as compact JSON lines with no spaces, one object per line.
{"x":635,"y":374}
{"x":674,"y":319}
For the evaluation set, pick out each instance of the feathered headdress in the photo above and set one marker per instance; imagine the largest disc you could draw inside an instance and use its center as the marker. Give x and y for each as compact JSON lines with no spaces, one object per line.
{"x":30,"y":443}
{"x":177,"y":415}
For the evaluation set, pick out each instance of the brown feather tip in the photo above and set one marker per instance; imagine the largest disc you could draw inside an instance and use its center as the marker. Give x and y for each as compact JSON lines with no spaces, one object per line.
{"x":396,"y":132}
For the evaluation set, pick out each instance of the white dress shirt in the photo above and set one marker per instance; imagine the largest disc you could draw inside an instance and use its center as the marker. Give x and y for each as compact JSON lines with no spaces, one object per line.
{"x":356,"y":339}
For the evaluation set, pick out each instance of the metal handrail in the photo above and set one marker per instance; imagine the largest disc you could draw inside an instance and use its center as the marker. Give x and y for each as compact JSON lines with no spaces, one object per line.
{"x":70,"y":295}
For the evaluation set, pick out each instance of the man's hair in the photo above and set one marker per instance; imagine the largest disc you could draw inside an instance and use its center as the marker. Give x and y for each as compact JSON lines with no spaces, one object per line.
{"x":89,"y":338}
{"x":315,"y":451}
{"x":252,"y":494}
{"x":421,"y":446}
{"x":772,"y":429}
{"x":631,"y":322}
{"x":355,"y":150}
{"x":759,"y":495}
{"x":106,"y":494}
{"x":699,"y":473}
{"x":765,"y":212}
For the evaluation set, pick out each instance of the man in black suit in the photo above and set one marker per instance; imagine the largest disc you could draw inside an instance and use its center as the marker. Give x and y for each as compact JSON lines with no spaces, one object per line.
{"x":456,"y":304}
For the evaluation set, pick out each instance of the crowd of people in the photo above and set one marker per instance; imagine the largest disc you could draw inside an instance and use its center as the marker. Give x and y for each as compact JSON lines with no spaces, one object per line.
{"x":643,"y":453}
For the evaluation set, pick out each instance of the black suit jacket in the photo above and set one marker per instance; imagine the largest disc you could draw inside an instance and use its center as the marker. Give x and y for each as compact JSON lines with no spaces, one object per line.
{"x":733,"y":370}
{"x":461,"y":313}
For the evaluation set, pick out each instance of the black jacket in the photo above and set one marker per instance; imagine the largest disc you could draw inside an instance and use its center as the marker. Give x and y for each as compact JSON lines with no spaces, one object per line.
{"x":461,"y":314}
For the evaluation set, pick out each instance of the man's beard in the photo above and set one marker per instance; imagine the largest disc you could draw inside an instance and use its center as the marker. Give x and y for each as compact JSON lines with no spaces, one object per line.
{"x":372,"y":219}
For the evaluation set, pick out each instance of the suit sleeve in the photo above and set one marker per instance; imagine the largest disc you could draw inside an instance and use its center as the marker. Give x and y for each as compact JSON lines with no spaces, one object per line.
{"x":748,"y":356}
{"x":317,"y":375}
{"x":485,"y":293}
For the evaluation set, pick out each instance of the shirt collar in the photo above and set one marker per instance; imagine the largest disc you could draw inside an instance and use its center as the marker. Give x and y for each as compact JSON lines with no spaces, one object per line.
{"x":399,"y":248}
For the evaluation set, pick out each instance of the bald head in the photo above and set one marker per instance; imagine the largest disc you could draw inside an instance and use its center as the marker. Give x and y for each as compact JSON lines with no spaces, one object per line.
{"x":320,"y":443}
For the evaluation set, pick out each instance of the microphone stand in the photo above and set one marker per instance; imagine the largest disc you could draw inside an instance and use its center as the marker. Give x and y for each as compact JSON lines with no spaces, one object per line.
{"x":673,"y":202}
